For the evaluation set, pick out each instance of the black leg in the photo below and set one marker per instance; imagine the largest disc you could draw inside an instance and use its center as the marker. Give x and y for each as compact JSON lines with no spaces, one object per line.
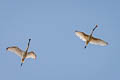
{"x":21,"y":64}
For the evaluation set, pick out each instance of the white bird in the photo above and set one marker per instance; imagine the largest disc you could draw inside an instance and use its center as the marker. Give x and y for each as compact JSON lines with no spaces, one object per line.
{"x":22,"y":54}
{"x":90,"y":38}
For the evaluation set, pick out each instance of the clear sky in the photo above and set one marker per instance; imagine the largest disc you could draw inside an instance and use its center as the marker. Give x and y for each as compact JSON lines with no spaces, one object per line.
{"x":60,"y":54}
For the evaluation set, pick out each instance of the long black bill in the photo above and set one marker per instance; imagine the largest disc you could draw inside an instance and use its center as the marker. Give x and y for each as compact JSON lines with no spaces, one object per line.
{"x":95,"y":27}
{"x":29,"y":42}
{"x":93,"y":30}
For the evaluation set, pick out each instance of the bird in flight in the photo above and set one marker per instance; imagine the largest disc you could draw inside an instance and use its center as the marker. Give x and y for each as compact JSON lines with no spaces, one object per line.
{"x":22,"y":54}
{"x":90,"y":38}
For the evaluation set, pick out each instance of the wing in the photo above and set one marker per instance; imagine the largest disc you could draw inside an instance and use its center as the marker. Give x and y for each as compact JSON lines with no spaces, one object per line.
{"x":31,"y":55}
{"x":97,"y":41}
{"x":15,"y":50}
{"x":81,"y":35}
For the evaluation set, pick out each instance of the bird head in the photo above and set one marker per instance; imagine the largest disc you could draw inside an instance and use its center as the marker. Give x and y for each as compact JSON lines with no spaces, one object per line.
{"x":29,"y":39}
{"x":96,"y":25}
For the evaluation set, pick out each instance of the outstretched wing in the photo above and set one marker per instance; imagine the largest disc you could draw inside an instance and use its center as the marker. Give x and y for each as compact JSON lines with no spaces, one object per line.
{"x":97,"y":41}
{"x":15,"y":50}
{"x":81,"y":35}
{"x":31,"y":55}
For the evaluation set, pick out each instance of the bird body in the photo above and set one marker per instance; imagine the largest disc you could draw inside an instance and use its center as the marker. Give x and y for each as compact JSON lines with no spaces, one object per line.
{"x":90,"y":38}
{"x":22,"y":54}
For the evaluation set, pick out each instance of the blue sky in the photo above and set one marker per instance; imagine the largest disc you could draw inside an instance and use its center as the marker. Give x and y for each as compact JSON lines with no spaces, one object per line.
{"x":60,"y":54}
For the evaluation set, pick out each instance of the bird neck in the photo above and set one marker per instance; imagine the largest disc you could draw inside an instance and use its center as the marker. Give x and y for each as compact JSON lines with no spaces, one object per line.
{"x":27,"y":46}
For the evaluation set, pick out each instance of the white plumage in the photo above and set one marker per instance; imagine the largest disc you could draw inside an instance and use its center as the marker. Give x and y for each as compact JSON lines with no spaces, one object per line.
{"x":22,"y":54}
{"x":90,"y":38}
{"x":31,"y":55}
{"x":16,"y":50}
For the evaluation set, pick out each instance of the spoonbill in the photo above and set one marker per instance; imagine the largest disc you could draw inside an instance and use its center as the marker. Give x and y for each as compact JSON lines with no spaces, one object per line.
{"x":22,"y":54}
{"x":90,"y":38}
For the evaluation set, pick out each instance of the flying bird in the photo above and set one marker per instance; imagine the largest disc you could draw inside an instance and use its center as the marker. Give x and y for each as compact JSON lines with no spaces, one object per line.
{"x":90,"y":38}
{"x":22,"y":54}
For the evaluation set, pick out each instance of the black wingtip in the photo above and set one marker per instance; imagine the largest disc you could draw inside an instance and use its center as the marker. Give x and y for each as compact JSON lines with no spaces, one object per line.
{"x":76,"y":31}
{"x":7,"y":48}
